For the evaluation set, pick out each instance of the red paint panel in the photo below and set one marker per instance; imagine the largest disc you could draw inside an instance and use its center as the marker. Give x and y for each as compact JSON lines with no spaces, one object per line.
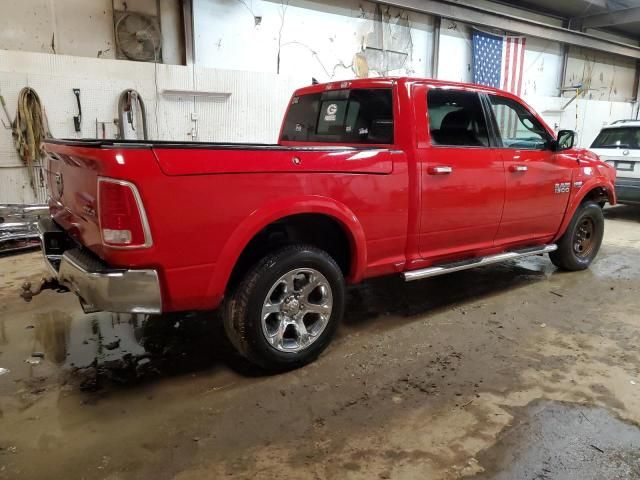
{"x":203,"y":162}
{"x":205,"y":203}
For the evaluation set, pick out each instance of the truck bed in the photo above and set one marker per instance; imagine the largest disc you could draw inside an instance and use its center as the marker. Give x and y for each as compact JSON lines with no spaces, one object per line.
{"x":171,"y":144}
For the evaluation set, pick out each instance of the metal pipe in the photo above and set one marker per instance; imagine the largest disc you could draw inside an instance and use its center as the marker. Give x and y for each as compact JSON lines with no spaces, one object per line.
{"x":435,"y":57}
{"x":132,"y":96}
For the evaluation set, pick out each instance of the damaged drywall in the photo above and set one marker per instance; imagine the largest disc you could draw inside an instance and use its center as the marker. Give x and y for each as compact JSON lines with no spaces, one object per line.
{"x":601,"y":76}
{"x":389,"y":45}
{"x":326,"y":41}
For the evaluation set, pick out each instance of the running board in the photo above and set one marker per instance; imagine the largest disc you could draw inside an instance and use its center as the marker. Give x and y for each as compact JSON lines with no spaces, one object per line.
{"x":475,"y":262}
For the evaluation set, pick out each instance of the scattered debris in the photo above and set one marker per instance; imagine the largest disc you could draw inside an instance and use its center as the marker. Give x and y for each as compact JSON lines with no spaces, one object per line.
{"x":33,"y":360}
{"x":556,"y":293}
{"x":543,"y":325}
{"x":597,"y":448}
{"x":632,"y":382}
{"x":221,"y":387}
{"x":38,"y":354}
{"x":113,"y":345}
{"x":4,"y":370}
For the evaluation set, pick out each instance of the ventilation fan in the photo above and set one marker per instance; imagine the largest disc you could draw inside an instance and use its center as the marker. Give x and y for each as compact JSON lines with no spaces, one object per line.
{"x":138,"y":36}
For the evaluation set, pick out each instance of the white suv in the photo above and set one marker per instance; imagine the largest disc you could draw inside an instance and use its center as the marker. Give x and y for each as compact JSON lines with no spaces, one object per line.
{"x":619,"y":145}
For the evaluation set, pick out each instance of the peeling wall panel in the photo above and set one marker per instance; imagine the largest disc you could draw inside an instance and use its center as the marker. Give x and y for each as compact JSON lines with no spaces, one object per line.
{"x":607,"y":77}
{"x":328,"y":40}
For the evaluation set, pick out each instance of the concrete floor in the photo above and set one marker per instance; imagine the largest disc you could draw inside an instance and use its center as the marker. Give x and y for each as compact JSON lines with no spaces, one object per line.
{"x":513,"y":371}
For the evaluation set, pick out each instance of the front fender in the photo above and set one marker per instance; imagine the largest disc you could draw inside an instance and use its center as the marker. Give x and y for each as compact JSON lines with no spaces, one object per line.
{"x":277,"y":210}
{"x":581,"y":193}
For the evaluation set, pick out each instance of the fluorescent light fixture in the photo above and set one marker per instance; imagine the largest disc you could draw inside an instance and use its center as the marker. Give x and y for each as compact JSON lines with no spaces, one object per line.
{"x":196,"y":93}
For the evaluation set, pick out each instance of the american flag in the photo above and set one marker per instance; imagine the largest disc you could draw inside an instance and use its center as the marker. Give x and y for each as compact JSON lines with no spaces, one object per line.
{"x":498,"y":61}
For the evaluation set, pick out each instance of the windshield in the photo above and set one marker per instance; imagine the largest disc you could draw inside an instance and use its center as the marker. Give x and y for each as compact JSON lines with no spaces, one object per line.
{"x":341,"y":116}
{"x":628,"y":137}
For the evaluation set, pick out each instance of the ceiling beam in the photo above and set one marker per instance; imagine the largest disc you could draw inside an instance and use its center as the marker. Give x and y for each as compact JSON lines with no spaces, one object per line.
{"x":468,"y":12}
{"x":599,"y":3}
{"x":610,"y":19}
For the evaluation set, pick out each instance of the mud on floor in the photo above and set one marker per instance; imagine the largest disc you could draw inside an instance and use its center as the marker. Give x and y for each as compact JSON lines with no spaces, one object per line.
{"x":480,"y":374}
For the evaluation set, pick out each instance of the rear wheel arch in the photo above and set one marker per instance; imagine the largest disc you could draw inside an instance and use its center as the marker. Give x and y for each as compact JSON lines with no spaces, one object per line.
{"x":328,"y":219}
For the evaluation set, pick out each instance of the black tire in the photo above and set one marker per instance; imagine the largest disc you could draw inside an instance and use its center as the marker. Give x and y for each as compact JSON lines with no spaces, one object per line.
{"x":243,"y":309}
{"x":581,"y":242}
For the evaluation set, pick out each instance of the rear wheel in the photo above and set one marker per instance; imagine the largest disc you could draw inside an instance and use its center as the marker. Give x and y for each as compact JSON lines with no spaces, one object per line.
{"x":581,"y":242}
{"x":285,"y":311}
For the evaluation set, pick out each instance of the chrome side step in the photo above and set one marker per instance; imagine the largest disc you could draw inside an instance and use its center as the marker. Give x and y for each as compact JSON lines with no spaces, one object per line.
{"x":475,"y":262}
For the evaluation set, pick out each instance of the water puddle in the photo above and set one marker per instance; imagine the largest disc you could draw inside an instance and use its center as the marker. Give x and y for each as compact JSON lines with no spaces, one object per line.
{"x":127,"y":348}
{"x":563,"y":441}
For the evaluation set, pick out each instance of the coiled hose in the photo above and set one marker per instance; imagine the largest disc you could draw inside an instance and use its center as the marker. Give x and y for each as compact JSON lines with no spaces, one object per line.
{"x":29,"y":128}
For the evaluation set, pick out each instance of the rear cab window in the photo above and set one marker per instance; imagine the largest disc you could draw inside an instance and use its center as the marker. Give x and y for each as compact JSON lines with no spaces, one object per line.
{"x":348,"y":116}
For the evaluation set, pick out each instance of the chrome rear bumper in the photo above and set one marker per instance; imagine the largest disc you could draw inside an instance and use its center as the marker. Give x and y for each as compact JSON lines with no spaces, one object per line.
{"x":99,"y":287}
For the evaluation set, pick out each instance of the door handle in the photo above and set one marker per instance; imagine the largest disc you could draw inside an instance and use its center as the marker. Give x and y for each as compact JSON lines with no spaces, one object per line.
{"x":518,"y":168}
{"x":440,"y":170}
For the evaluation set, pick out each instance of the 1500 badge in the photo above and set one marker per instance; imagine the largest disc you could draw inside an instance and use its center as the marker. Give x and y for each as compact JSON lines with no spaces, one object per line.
{"x":563,"y":187}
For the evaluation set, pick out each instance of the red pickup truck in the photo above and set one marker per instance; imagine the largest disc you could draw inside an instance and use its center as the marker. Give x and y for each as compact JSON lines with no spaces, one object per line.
{"x":370,"y":177}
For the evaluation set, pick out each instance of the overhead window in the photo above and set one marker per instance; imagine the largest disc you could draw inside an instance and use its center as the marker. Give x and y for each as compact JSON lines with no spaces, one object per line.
{"x":456,"y":118}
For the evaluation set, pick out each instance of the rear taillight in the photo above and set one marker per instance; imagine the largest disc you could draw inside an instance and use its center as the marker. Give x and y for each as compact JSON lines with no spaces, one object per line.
{"x":123,"y":222}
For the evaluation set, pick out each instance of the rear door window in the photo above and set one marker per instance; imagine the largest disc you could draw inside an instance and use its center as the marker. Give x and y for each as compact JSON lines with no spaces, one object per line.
{"x":456,"y":118}
{"x":341,"y":116}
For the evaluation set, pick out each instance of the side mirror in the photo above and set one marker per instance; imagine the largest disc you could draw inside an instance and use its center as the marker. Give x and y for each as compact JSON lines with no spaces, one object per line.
{"x":566,"y":140}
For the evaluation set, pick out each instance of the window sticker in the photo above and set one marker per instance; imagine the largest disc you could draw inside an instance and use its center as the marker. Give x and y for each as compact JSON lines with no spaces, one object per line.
{"x":332,"y":117}
{"x":331,"y":113}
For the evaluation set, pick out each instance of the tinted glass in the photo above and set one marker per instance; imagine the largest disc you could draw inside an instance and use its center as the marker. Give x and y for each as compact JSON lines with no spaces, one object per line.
{"x":456,"y":118}
{"x":341,"y":116}
{"x":628,"y":137}
{"x":517,"y":126}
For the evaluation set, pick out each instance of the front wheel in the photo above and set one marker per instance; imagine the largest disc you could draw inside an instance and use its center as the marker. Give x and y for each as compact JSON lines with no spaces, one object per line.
{"x":581,"y":242}
{"x":285,"y":311}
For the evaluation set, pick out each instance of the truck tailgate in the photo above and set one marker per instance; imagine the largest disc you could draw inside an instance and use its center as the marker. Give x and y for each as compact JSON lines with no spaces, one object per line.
{"x":72,"y":171}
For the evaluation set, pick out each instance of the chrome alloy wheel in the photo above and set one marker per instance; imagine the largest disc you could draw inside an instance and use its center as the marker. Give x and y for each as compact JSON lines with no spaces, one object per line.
{"x":296,"y":310}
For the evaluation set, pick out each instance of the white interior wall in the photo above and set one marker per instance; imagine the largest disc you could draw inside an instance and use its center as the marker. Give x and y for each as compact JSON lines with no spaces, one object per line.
{"x":320,"y":40}
{"x":455,"y":55}
{"x":251,"y":114}
{"x":82,"y":28}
